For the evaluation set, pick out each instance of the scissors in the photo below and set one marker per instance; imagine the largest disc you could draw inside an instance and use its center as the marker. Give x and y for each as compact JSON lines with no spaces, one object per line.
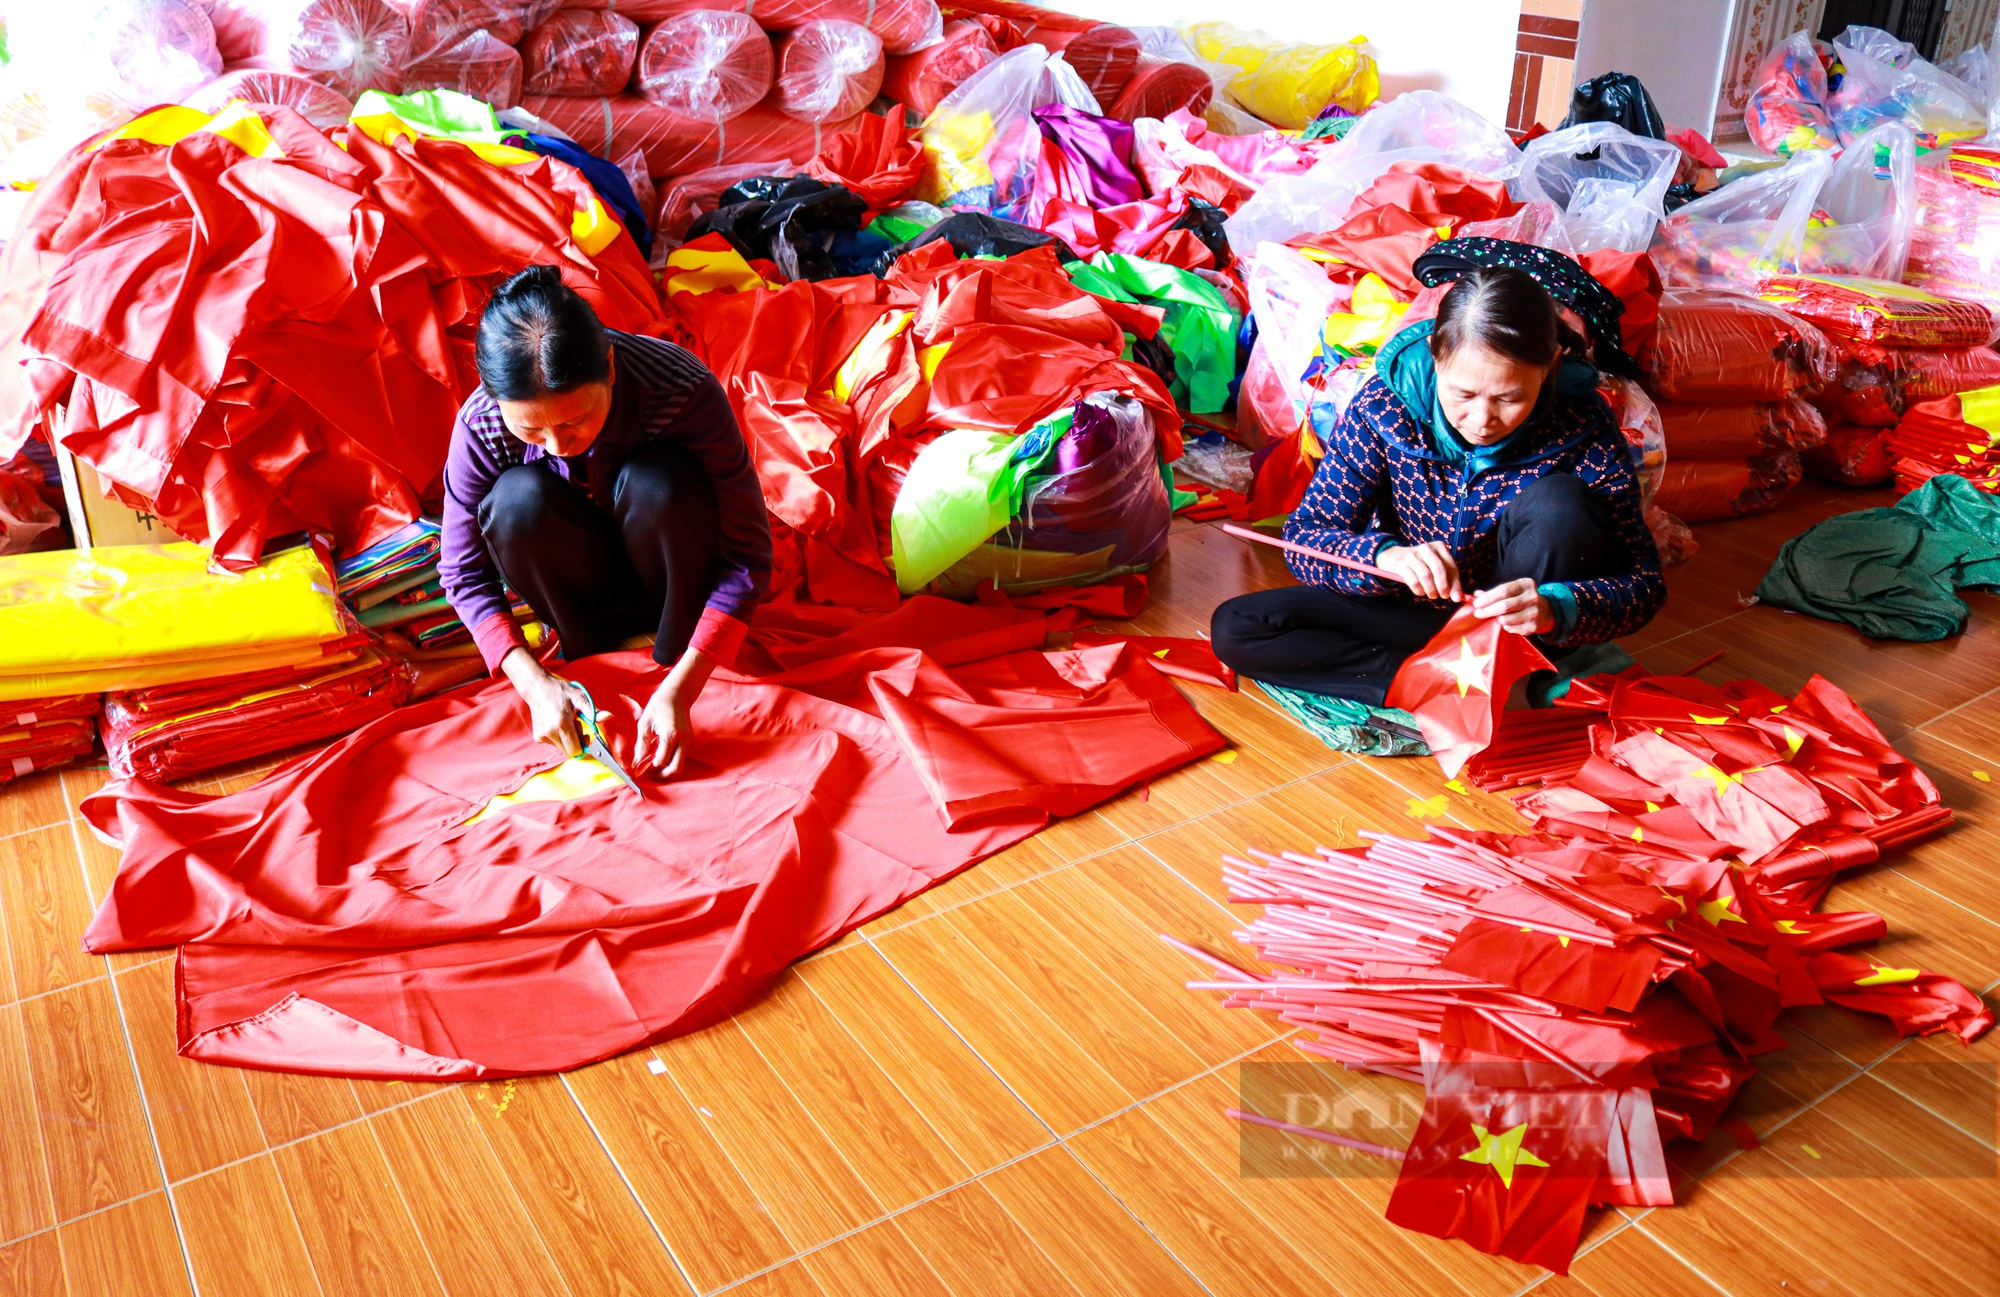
{"x":594,"y":745}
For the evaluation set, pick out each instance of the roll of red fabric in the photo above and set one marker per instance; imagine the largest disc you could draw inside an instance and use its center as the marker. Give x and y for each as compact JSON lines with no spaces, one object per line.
{"x":675,"y":143}
{"x":1161,"y":86}
{"x":905,"y":26}
{"x":308,"y":98}
{"x":920,"y":81}
{"x":478,"y":65}
{"x":440,"y":25}
{"x":707,"y":64}
{"x":350,"y":45}
{"x":829,"y":70}
{"x":1105,"y":55}
{"x":579,"y":52}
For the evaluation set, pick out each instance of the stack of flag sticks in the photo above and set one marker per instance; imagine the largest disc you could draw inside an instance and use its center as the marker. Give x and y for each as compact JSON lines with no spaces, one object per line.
{"x":1572,"y":997}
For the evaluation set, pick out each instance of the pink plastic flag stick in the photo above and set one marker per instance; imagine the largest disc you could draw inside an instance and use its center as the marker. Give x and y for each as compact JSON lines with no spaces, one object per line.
{"x":1292,"y":1128}
{"x":1309,"y":552}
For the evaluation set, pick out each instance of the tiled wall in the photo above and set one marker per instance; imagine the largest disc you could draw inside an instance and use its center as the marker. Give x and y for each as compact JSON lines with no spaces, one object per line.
{"x":1544,"y":63}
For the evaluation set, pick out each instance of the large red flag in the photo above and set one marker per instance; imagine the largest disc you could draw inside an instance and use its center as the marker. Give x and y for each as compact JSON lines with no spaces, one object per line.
{"x":1456,"y":685}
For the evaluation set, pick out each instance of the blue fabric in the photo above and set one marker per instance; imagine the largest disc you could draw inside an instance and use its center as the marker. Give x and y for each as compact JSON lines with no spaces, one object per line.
{"x":609,"y":182}
{"x":1383,"y":482}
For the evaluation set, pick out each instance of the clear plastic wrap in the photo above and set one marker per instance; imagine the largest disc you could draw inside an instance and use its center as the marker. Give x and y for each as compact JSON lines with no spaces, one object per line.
{"x":1645,"y":433}
{"x":1214,"y":460}
{"x":1867,"y":209}
{"x":1852,"y":456}
{"x":1727,"y":347}
{"x":1703,"y":490}
{"x":1611,"y":183}
{"x":1103,"y":55}
{"x":479,"y":65}
{"x":828,"y":70}
{"x":148,"y":52}
{"x":1884,"y":81}
{"x":706,"y":64}
{"x":675,"y":144}
{"x":1290,"y":296}
{"x":1740,"y":431}
{"x":981,"y":146}
{"x":438,"y":25}
{"x":579,"y":52}
{"x":1786,"y":112}
{"x":1674,"y":538}
{"x":318,"y":104}
{"x":1288,"y":84}
{"x":350,"y":45}
{"x":920,"y":81}
{"x":905,"y":26}
{"x":1955,"y":248}
{"x":1162,"y":86}
{"x":1883,"y":312}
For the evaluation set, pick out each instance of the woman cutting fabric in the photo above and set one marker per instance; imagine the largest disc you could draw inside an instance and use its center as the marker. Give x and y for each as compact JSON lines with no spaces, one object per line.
{"x":1479,"y":460}
{"x":603,"y":477}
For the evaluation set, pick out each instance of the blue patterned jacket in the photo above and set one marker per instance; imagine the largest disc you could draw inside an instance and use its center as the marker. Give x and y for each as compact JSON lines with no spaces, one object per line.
{"x":1381,"y":483}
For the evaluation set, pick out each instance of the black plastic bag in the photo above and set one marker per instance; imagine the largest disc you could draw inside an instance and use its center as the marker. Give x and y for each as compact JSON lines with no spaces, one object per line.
{"x":794,"y":222}
{"x":1616,"y":97}
{"x":1206,"y":219}
{"x":975,"y":234}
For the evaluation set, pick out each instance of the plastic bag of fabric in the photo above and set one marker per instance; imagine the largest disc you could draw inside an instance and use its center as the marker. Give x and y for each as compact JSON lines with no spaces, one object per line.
{"x":1199,"y":327}
{"x":794,"y":222}
{"x":982,"y":146}
{"x":1882,"y":312}
{"x":1884,"y":81}
{"x":478,"y":65}
{"x":1741,"y":431}
{"x":1786,"y":112}
{"x":828,"y":70}
{"x":1955,"y":248}
{"x":1103,"y":55}
{"x":25,"y":516}
{"x":905,"y":26}
{"x":1617,"y":98}
{"x":920,"y":81}
{"x":350,"y":45}
{"x":579,"y":52}
{"x":1421,"y":126}
{"x":1699,"y":490}
{"x":1213,"y":460}
{"x":1671,"y":536}
{"x":686,"y":197}
{"x":1852,"y":456}
{"x":1161,"y":86}
{"x":1611,"y":183}
{"x":138,"y":52}
{"x":1645,"y":432}
{"x":1288,"y":84}
{"x":1924,"y":375}
{"x":318,"y":104}
{"x":1729,"y":347}
{"x":1291,"y":298}
{"x":706,"y":64}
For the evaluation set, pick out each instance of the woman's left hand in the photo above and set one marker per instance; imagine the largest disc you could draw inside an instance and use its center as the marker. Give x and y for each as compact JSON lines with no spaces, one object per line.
{"x":664,"y":728}
{"x":1518,"y":606}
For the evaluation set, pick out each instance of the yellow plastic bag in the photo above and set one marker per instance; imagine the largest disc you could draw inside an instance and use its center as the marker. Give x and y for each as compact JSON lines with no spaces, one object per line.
{"x":140,"y":615}
{"x":1288,"y":85}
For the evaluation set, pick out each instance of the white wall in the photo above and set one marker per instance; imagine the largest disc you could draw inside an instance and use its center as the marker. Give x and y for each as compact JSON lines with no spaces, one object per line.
{"x":1464,"y":48}
{"x":1684,"y":75}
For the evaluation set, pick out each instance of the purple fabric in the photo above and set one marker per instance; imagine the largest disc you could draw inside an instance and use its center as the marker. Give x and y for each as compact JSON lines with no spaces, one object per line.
{"x":1104,"y":489}
{"x":1096,"y":158}
{"x":660,"y":392}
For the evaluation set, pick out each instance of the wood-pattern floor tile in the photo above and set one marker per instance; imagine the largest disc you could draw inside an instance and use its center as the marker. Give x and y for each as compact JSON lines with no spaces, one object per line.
{"x":25,"y":1201}
{"x":972,"y":1242}
{"x":793,"y":1280}
{"x":33,"y":1267}
{"x":879,"y":1259}
{"x":291,"y":1106}
{"x":1631,"y":1264}
{"x":93,"y":1126}
{"x":1062,"y":842}
{"x":130,"y":1249}
{"x":356,"y":1227}
{"x":1089,"y":1236}
{"x":32,"y":802}
{"x":202,"y":1114}
{"x":242,"y":1238}
{"x":46,"y":910}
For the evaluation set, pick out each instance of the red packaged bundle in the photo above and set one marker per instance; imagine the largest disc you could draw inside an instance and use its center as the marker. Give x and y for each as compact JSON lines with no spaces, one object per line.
{"x":1104,"y":55}
{"x":1702,"y":490}
{"x":1159,"y":87}
{"x":1955,"y":246}
{"x":1949,"y":435}
{"x":1852,"y":456}
{"x":707,"y":64}
{"x":579,"y":52}
{"x":1739,"y":431}
{"x":674,"y":144}
{"x":438,"y":25}
{"x":829,"y":70}
{"x":921,"y":80}
{"x":318,"y":104}
{"x":1715,"y":346}
{"x":1924,"y":375}
{"x":1866,"y":388}
{"x":1880,"y":312}
{"x":479,"y":65}
{"x":43,"y":733}
{"x":350,"y":45}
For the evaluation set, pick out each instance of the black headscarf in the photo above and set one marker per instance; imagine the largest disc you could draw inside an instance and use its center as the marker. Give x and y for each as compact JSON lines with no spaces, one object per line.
{"x":1562,"y":276}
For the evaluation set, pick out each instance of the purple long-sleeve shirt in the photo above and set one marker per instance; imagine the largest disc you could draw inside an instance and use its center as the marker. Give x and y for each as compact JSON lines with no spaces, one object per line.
{"x":660,"y":392}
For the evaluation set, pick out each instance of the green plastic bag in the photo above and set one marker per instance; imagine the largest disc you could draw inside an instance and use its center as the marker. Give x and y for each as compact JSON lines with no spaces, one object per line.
{"x":1200,"y":326}
{"x":963,"y":488}
{"x":440,"y":114}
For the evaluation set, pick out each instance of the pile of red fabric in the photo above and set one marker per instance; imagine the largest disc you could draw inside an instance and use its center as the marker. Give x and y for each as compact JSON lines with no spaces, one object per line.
{"x":43,"y":733}
{"x":1703,"y":490}
{"x":176,"y":731}
{"x":254,"y":346}
{"x":1853,"y":309}
{"x":1955,"y":240}
{"x":1851,"y":456}
{"x":1740,"y":431}
{"x":854,"y":761}
{"x":1725,"y":347}
{"x":1573,"y":998}
{"x":675,"y":143}
{"x":1948,"y":435}
{"x":939,"y":344}
{"x":1393,"y":221}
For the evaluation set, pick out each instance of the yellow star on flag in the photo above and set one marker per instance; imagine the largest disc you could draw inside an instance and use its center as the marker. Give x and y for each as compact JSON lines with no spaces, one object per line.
{"x":1502,"y":1152}
{"x":1472,"y":670}
{"x":1791,"y":927}
{"x":1722,"y":781}
{"x":1793,"y":741}
{"x":1718,"y":912}
{"x":1888,"y":976}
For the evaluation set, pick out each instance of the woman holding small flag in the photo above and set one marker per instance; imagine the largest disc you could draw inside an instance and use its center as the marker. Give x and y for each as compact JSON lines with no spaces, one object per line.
{"x":1479,"y":461}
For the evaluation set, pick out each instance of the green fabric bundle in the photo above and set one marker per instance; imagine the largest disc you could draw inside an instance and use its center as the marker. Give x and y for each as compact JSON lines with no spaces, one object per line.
{"x":1200,"y":326}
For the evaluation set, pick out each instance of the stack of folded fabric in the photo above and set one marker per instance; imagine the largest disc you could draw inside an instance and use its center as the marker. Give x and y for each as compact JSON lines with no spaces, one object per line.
{"x":1953,"y":434}
{"x":41,"y":733}
{"x":137,"y":616}
{"x":393,"y":586}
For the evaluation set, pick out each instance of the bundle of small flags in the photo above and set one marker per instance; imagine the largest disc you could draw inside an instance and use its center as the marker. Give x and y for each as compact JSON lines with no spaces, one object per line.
{"x":393,"y":585}
{"x":1952,"y":434}
{"x":40,"y":734}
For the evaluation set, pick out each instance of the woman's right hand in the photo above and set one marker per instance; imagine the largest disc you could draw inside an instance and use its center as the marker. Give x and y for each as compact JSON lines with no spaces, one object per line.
{"x":1428,"y":569}
{"x":551,"y":706}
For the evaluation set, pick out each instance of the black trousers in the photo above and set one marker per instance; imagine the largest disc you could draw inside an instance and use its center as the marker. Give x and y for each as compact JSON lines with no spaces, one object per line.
{"x":1349,"y":646}
{"x":600,"y":576}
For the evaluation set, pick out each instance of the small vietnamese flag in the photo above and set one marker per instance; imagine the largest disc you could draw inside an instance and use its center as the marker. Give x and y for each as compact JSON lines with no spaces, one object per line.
{"x":1456,"y":685}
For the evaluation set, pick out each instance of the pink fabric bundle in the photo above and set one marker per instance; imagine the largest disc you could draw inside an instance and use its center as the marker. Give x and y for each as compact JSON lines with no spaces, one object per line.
{"x":829,"y":70}
{"x":479,"y":65}
{"x":920,"y":81}
{"x":706,"y":64}
{"x":675,"y":143}
{"x":350,"y":45}
{"x":440,"y":25}
{"x":316,"y":103}
{"x":905,"y":26}
{"x":579,"y":52}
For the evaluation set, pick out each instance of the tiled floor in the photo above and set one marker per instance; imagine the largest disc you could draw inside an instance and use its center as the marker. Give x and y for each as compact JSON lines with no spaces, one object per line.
{"x":1003,"y":1087}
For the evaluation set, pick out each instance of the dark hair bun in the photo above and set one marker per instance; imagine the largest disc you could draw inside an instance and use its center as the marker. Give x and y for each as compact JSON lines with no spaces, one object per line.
{"x":538,"y":336}
{"x":1505,"y":310}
